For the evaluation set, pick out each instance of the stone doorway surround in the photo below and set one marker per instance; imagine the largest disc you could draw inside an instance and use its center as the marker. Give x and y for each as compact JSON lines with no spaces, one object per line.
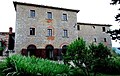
{"x":49,"y":52}
{"x":31,"y":50}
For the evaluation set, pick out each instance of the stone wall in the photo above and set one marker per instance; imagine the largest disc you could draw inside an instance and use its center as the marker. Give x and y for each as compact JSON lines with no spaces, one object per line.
{"x":91,"y":32}
{"x":23,"y":23}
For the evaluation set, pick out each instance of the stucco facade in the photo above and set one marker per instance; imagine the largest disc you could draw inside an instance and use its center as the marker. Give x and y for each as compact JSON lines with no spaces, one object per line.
{"x":94,"y":33}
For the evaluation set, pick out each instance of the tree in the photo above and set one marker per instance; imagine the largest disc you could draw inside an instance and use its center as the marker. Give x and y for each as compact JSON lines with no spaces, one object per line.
{"x":78,"y":53}
{"x":114,"y":2}
{"x":100,"y":56}
{"x":86,"y":58}
{"x":115,"y":34}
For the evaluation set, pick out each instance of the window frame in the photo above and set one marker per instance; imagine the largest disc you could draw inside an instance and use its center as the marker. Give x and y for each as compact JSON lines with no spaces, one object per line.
{"x":32,"y":31}
{"x":49,"y":32}
{"x":64,"y":17}
{"x":65,"y":33}
{"x":78,"y":27}
{"x":49,"y":15}
{"x":103,"y":29}
{"x":95,"y":39}
{"x":32,"y":13}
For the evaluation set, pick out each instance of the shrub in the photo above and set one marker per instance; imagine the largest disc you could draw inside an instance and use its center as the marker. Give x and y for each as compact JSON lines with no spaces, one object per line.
{"x":31,"y":66}
{"x":78,"y":53}
{"x":2,"y":67}
{"x":93,"y":57}
{"x":113,"y":66}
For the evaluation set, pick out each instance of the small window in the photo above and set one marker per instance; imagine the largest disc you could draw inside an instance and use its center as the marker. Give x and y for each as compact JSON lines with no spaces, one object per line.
{"x":32,"y":31}
{"x":49,"y":15}
{"x":49,"y":32}
{"x":65,"y":33}
{"x":32,"y":13}
{"x":103,"y":29}
{"x":64,"y":17}
{"x":105,"y":40}
{"x":78,"y":27}
{"x":94,"y":27}
{"x":95,"y":40}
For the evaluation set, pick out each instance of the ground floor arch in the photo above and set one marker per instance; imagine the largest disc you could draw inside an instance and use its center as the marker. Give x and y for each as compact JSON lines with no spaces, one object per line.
{"x":31,"y":50}
{"x":64,"y":49}
{"x":49,"y":52}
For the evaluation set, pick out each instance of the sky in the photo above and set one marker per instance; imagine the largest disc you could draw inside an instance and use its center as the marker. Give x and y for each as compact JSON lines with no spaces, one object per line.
{"x":91,"y":11}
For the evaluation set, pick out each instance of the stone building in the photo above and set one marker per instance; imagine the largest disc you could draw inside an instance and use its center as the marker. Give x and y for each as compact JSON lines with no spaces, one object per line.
{"x":94,"y":33}
{"x":44,"y":31}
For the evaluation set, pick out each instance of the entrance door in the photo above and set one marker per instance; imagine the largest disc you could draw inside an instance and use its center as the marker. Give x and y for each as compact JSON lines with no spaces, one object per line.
{"x":31,"y":49}
{"x":49,"y":51}
{"x":64,"y":49}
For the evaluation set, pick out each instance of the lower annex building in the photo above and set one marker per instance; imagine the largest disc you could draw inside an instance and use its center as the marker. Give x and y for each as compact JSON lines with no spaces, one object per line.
{"x":45,"y":31}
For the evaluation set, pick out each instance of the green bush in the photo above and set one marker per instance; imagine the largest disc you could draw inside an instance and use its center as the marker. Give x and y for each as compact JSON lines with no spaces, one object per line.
{"x":113,"y":66}
{"x":31,"y":66}
{"x":94,"y":57}
{"x":2,"y":67}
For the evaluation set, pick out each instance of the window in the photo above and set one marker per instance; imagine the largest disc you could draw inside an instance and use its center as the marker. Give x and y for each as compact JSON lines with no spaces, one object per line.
{"x":105,"y":40}
{"x":94,"y":27}
{"x":49,"y":32}
{"x":49,"y":15}
{"x":49,"y":51}
{"x":32,"y":13}
{"x":64,"y":17}
{"x":95,"y":40}
{"x":103,"y":29}
{"x":64,"y":49}
{"x":32,"y":31}
{"x":78,"y":27}
{"x":65,"y":33}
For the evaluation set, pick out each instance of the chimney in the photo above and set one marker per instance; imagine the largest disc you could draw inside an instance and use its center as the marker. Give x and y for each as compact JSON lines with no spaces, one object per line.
{"x":10,"y":30}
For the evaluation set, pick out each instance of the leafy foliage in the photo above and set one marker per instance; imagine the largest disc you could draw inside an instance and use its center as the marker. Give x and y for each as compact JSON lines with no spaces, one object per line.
{"x":31,"y":66}
{"x":114,"y":34}
{"x":2,"y":67}
{"x":88,"y":58}
{"x":78,"y":53}
{"x":113,"y":66}
{"x":114,"y":2}
{"x":100,"y":57}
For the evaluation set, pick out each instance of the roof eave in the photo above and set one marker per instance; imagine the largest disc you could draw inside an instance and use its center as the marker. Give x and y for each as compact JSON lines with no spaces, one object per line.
{"x":30,"y":4}
{"x":94,"y":24}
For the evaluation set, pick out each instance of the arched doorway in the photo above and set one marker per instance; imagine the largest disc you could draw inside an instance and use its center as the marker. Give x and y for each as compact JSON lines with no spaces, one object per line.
{"x":64,"y":49}
{"x":49,"y":51}
{"x":31,"y":50}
